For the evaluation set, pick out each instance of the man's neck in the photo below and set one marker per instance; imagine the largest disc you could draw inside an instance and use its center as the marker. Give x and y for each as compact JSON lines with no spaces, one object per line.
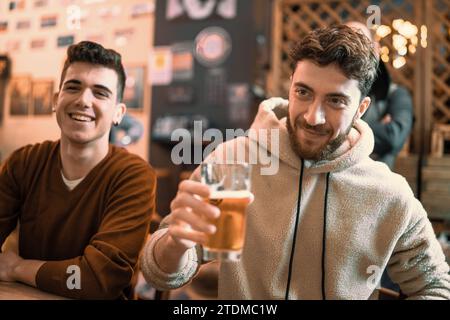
{"x":79,"y":159}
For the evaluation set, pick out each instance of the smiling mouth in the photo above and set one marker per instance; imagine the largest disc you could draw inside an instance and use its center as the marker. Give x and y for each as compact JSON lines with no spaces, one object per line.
{"x":315,"y":133}
{"x":80,"y":117}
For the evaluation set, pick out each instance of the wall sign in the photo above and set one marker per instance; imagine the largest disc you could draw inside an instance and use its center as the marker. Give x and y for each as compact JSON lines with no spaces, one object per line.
{"x":42,"y":97}
{"x":49,"y":21}
{"x":23,"y":24}
{"x":20,"y":95}
{"x":37,"y":44}
{"x":182,"y":61}
{"x":133,"y":95}
{"x":65,"y":41}
{"x":212,"y":46}
{"x":200,"y":9}
{"x":160,"y":70}
{"x":3,"y":26}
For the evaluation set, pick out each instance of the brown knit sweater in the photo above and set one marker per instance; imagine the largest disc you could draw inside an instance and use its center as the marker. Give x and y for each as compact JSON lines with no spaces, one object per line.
{"x":100,"y":226}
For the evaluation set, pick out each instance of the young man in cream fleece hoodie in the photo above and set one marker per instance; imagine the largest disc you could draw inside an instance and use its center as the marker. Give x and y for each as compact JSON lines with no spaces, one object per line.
{"x":330,"y":220}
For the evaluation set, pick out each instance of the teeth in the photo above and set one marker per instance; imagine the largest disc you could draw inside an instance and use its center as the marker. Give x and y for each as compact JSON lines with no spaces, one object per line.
{"x":80,"y":117}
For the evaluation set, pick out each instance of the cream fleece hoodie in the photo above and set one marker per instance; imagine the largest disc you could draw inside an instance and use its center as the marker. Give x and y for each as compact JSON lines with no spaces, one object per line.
{"x":372,"y":221}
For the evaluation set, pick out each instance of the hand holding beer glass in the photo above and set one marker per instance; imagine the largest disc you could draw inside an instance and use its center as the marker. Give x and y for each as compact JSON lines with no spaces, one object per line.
{"x":229,"y":186}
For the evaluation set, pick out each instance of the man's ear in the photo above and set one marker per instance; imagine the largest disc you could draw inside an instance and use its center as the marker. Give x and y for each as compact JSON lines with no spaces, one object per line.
{"x":121,"y":108}
{"x":55,"y":101}
{"x":363,"y":106}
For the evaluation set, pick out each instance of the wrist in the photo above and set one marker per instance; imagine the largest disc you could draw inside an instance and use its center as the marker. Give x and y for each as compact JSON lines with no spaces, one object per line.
{"x":25,"y":271}
{"x":173,"y":245}
{"x":170,"y":256}
{"x":16,"y":269}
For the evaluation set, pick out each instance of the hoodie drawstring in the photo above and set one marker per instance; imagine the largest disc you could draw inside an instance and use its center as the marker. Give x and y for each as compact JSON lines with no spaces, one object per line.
{"x":324,"y":234}
{"x":291,"y":260}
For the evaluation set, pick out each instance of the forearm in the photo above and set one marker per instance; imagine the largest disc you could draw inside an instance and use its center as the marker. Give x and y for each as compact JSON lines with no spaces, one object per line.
{"x":169,"y":256}
{"x":26,"y":270}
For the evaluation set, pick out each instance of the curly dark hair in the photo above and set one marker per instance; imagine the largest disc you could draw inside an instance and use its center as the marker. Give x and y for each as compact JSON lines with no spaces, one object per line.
{"x":94,"y":53}
{"x":350,"y":50}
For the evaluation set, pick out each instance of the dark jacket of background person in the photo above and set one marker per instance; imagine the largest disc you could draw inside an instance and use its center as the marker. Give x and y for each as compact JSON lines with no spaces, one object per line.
{"x":391,"y":99}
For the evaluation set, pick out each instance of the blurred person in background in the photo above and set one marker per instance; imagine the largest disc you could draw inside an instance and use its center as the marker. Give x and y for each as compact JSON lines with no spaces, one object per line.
{"x":390,"y":115}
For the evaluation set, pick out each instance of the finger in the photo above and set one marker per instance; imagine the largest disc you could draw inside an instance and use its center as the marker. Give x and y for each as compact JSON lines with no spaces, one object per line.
{"x":251,"y":198}
{"x":196,"y":222}
{"x":199,"y":206}
{"x":180,"y":233}
{"x":273,"y":103}
{"x":194,"y":187}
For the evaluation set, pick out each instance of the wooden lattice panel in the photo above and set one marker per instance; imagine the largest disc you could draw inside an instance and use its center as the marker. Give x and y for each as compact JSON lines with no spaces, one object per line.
{"x":441,"y":61}
{"x":301,"y":16}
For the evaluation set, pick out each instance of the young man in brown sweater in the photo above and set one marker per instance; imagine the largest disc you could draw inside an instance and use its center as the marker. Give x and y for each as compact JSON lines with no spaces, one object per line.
{"x":84,"y":206}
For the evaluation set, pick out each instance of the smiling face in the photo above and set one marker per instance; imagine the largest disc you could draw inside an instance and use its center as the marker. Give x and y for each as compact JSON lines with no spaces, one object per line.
{"x":323,"y":105}
{"x":86,"y":105}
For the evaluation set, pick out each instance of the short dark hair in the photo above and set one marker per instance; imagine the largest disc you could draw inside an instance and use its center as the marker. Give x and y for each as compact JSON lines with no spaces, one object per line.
{"x":350,"y":50}
{"x":91,"y":52}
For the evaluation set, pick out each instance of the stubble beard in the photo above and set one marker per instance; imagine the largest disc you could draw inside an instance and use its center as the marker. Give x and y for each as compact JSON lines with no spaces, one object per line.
{"x":321,"y":153}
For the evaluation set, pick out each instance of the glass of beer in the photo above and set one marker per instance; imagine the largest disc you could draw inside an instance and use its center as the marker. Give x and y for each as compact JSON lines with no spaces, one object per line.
{"x":229,"y":186}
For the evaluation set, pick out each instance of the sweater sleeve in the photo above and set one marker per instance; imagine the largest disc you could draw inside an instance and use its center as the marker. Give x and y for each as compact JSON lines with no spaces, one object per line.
{"x":167,"y":281}
{"x":418,"y":264}
{"x":107,"y":264}
{"x":9,"y":195}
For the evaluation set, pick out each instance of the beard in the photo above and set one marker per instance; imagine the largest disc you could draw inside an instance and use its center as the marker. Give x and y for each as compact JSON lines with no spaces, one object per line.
{"x":320,"y":153}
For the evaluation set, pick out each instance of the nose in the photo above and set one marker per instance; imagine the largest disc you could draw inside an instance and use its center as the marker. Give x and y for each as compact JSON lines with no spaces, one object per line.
{"x":315,"y":114}
{"x":85,"y":98}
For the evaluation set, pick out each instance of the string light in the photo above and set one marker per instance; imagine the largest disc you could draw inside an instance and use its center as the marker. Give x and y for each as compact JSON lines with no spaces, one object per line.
{"x":384,"y":50}
{"x":423,"y":36}
{"x":399,"y":41}
{"x":383,"y":31}
{"x":407,"y":29}
{"x":405,"y":39}
{"x":402,"y":51}
{"x":399,"y":62}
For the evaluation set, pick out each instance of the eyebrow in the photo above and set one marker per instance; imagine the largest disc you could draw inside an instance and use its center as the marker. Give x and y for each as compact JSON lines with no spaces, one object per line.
{"x":78,"y":82}
{"x":331,"y":94}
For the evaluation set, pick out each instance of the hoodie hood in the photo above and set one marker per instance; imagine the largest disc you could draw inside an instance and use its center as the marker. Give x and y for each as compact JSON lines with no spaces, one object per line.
{"x":272,"y":114}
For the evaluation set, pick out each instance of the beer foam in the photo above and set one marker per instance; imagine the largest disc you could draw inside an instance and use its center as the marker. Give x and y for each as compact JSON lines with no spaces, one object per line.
{"x":230,"y":194}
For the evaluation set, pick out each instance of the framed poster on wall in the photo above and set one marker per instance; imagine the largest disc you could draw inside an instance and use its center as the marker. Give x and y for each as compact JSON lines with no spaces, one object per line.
{"x":133,"y":95}
{"x":42,"y":93}
{"x":20,"y":95}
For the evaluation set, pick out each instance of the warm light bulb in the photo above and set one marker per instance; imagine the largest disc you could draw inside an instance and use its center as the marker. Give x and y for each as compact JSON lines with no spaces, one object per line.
{"x":408,"y":30}
{"x":383,"y":31}
{"x":423,"y":31}
{"x":399,"y":62}
{"x":397,"y":23}
{"x":402,"y":51}
{"x":398,"y":41}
